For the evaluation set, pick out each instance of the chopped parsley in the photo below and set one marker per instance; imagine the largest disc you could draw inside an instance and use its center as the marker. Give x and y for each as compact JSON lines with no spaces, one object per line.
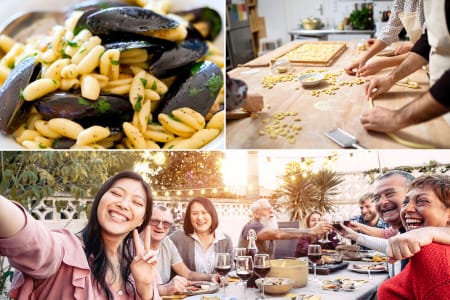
{"x":144,"y":82}
{"x":64,"y":54}
{"x":214,"y":84}
{"x":138,"y":105}
{"x":154,"y":86}
{"x":21,"y":97}
{"x":80,"y":28}
{"x":72,"y":44}
{"x":115,"y":62}
{"x":196,"y":68}
{"x":193,"y":91}
{"x":102,"y":104}
{"x":54,"y":81}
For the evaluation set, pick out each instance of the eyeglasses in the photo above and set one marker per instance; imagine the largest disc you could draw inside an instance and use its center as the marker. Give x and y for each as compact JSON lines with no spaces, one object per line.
{"x":389,"y":194}
{"x":165,"y":224}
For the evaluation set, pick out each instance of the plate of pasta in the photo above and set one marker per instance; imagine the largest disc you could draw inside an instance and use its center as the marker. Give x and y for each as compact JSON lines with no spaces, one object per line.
{"x":99,"y":78}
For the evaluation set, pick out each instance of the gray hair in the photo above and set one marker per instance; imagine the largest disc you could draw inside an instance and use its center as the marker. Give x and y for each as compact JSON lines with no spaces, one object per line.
{"x":163,"y":208}
{"x":407,"y":176}
{"x":258,"y":204}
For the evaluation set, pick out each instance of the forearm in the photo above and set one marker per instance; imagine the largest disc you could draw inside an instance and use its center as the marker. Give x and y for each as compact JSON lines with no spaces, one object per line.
{"x":197,"y":276}
{"x":12,"y":218}
{"x":410,"y":64}
{"x":373,"y":50}
{"x":145,"y":291}
{"x":370,"y":230}
{"x":440,"y":235}
{"x":420,"y":110}
{"x":393,"y":61}
{"x":284,"y":233}
{"x":374,"y":243}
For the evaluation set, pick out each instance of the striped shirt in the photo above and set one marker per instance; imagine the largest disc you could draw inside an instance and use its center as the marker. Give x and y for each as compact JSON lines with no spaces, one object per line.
{"x":206,"y":259}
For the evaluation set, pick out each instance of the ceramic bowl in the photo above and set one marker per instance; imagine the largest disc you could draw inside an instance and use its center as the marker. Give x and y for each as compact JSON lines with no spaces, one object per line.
{"x":296,"y":270}
{"x":275,"y":285}
{"x":310,"y":79}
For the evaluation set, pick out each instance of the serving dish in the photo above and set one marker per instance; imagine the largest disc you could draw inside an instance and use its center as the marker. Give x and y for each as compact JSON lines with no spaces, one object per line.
{"x":201,"y":287}
{"x":310,"y":79}
{"x":12,"y":9}
{"x":364,"y":268}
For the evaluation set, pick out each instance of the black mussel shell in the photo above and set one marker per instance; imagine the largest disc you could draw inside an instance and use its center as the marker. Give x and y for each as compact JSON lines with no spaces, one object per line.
{"x":128,"y":19}
{"x":196,"y":87}
{"x":108,"y":110}
{"x":14,"y":109}
{"x":171,"y":62}
{"x":124,"y":37}
{"x":205,"y":20}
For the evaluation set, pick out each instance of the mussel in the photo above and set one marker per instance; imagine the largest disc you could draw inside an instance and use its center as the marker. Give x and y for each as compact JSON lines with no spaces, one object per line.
{"x":108,"y":110}
{"x":197,"y":88}
{"x":14,"y":109}
{"x":128,"y":19}
{"x":206,"y":20}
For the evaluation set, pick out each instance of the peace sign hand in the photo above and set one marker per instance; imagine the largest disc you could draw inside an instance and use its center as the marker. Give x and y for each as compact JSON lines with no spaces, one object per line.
{"x":143,"y":266}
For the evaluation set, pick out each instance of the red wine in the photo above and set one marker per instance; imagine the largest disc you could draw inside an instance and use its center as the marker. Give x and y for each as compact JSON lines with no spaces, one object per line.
{"x":223,"y":270}
{"x":315,"y":259}
{"x":347,"y":222}
{"x":261,"y":271}
{"x":244,"y":275}
{"x":252,"y":251}
{"x":337,"y":225}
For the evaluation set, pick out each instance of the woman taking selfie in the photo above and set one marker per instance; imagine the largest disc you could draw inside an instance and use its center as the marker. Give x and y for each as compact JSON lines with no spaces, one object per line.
{"x":107,"y":260}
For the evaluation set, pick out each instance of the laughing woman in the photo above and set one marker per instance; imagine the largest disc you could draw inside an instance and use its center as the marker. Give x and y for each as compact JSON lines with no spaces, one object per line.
{"x":107,"y":260}
{"x":200,"y":240}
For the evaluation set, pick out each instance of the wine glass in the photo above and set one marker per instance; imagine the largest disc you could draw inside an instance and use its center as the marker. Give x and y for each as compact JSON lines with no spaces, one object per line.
{"x":244,"y":269}
{"x":326,"y":219}
{"x":223,"y":266}
{"x":338,"y":220}
{"x":314,"y":255}
{"x":239,"y":252}
{"x":261,"y":266}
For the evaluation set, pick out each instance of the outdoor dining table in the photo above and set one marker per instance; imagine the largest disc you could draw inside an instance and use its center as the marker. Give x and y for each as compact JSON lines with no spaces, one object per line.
{"x":364,"y":291}
{"x":317,"y":115}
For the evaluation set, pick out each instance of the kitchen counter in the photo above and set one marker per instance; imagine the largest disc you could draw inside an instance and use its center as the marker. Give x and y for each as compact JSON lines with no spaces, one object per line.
{"x":318,"y":115}
{"x":323,"y":34}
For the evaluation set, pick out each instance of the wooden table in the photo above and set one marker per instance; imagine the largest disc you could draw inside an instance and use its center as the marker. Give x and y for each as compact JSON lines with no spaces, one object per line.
{"x":326,"y":112}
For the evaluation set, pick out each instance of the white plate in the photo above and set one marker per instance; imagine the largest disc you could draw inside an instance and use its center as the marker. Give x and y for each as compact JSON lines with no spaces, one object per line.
{"x":12,"y":8}
{"x":365,"y":271}
{"x":199,"y":297}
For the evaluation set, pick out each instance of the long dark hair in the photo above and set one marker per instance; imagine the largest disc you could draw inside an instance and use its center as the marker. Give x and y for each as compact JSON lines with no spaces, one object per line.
{"x":95,"y":247}
{"x":209,"y":207}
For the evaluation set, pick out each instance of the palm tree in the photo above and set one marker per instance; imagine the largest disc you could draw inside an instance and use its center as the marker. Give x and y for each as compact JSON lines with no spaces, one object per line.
{"x":306,"y":190}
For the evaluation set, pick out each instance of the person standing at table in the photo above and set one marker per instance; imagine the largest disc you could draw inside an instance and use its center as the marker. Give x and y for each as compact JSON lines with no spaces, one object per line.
{"x":369,"y":222}
{"x":200,"y":239}
{"x":169,"y":259}
{"x":107,"y":260}
{"x":265,"y":224}
{"x":311,"y":220}
{"x":406,"y":14}
{"x":433,"y":47}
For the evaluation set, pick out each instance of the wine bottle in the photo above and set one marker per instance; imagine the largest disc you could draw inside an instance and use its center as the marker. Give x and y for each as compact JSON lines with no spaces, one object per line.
{"x":251,"y":251}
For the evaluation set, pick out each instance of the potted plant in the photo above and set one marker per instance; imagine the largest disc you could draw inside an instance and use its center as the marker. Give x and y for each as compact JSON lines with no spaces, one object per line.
{"x":361,"y":19}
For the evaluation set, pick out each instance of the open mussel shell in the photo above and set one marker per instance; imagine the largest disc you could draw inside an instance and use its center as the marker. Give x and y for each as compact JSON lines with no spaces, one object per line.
{"x":14,"y":109}
{"x":128,"y":19}
{"x":206,"y":20}
{"x":196,"y":87}
{"x":108,"y":110}
{"x":171,"y":62}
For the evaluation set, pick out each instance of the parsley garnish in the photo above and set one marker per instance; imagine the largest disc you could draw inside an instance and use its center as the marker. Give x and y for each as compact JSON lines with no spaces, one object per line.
{"x":144,"y":82}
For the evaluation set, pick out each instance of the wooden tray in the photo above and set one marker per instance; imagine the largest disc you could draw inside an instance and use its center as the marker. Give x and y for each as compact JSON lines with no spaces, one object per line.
{"x":329,"y":268}
{"x":325,"y":62}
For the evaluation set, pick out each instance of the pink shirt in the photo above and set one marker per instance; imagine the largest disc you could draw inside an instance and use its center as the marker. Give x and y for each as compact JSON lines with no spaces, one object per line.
{"x":52,"y":265}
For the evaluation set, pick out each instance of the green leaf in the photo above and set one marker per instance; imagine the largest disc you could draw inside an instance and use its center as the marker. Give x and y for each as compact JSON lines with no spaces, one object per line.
{"x":144,"y":82}
{"x":154,"y":86}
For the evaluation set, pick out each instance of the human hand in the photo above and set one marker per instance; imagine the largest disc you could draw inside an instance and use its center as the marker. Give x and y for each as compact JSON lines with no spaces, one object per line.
{"x":403,"y":48}
{"x":380,"y":119}
{"x":378,"y":86}
{"x":215,"y":278}
{"x":373,"y":66}
{"x":407,"y":244}
{"x":143,"y":265}
{"x":177,"y":285}
{"x":322,"y":228}
{"x":348,"y":232}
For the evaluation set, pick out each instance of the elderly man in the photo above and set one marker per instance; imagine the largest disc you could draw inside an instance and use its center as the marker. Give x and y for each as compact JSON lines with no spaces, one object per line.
{"x":265,"y":224}
{"x":369,"y":218}
{"x":169,"y":258}
{"x":432,"y":47}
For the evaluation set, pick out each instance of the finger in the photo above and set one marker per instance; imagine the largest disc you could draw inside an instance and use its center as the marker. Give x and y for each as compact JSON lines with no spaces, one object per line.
{"x":147,"y":237}
{"x":137,"y":243}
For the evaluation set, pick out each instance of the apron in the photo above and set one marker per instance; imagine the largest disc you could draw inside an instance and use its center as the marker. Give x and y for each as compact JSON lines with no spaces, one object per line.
{"x":438,"y":38}
{"x":411,"y":23}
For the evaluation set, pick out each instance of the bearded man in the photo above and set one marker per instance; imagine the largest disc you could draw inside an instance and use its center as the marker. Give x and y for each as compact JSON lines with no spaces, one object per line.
{"x":265,"y":224}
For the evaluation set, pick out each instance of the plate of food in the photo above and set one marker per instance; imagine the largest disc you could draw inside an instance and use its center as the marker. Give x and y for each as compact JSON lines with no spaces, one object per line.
{"x":364,"y":268}
{"x":201,"y":287}
{"x":134,"y":124}
{"x":344,"y":284}
{"x":310,"y":79}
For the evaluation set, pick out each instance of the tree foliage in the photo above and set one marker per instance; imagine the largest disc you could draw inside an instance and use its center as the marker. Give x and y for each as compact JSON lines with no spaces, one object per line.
{"x":305,"y":190}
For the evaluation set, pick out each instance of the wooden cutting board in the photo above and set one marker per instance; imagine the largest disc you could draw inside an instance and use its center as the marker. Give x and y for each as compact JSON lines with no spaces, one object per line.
{"x":321,"y":54}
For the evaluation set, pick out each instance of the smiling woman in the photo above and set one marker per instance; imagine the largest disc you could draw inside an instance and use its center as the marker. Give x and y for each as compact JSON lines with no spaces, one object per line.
{"x":200,"y":239}
{"x":123,"y":265}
